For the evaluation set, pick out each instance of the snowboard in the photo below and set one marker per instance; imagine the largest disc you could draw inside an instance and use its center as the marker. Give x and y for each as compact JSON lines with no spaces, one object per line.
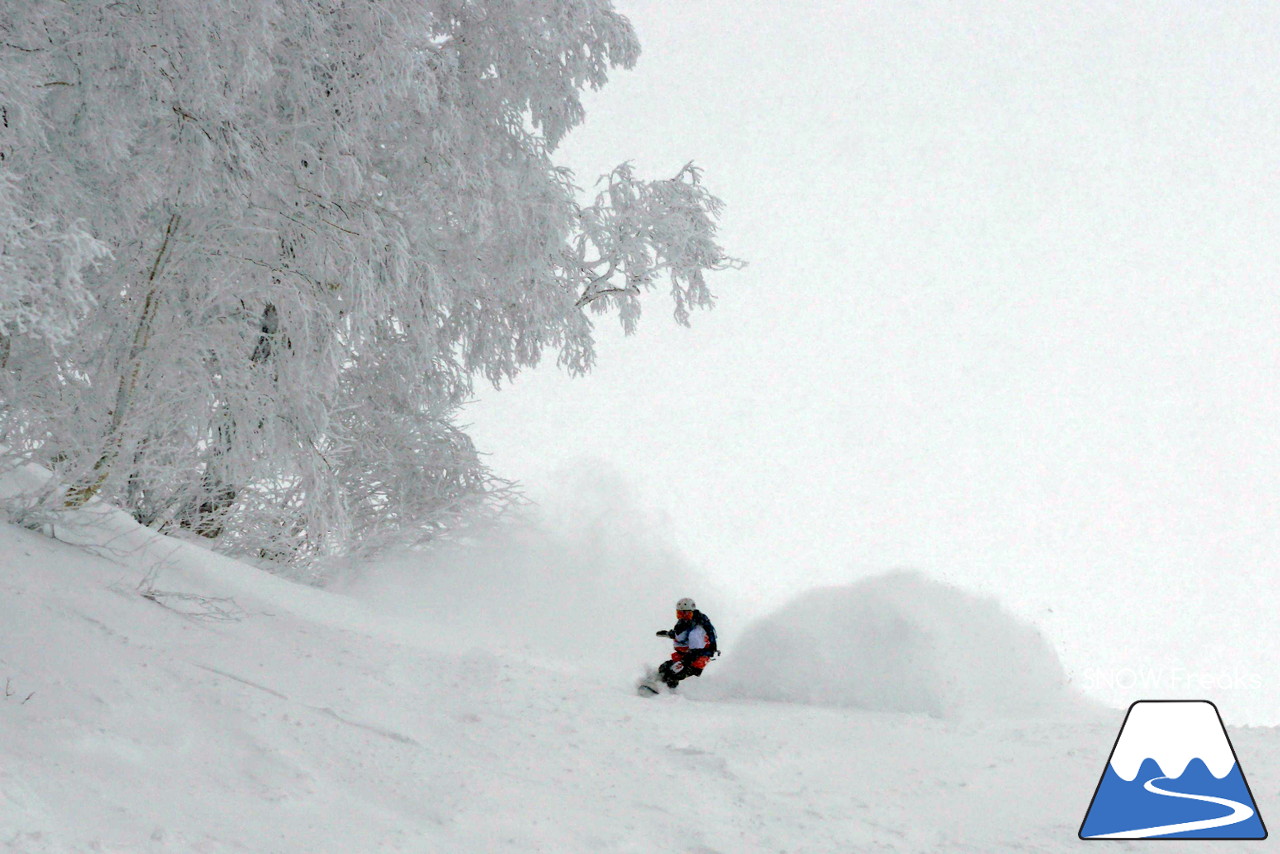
{"x":650,"y":685}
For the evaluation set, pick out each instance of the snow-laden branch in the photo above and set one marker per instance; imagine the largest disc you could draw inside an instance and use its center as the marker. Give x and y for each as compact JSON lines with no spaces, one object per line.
{"x":248,"y":276}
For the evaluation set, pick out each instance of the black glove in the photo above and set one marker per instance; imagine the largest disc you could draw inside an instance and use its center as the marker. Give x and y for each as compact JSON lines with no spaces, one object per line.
{"x":665,"y":633}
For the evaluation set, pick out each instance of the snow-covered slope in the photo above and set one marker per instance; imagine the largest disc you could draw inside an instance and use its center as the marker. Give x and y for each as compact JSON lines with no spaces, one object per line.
{"x":231,"y":711}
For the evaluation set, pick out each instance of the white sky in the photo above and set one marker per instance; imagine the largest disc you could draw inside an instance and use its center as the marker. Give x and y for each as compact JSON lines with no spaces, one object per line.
{"x":1010,"y":317}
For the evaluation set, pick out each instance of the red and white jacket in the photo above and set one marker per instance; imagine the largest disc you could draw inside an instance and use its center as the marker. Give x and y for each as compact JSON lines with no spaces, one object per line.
{"x":690,"y":640}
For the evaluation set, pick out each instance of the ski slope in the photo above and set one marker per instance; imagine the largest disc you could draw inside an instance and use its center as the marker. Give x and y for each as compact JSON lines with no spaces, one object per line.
{"x":232,"y":711}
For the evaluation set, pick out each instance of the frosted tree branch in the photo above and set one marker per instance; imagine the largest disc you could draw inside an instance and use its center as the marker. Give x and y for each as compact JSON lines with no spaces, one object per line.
{"x":249,"y":275}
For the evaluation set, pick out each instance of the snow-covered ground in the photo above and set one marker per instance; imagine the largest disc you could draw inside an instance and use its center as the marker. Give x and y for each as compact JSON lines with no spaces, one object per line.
{"x":230,"y":710}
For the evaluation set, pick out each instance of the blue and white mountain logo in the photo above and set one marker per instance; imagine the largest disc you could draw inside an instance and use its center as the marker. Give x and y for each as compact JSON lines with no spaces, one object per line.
{"x":1173,"y":774}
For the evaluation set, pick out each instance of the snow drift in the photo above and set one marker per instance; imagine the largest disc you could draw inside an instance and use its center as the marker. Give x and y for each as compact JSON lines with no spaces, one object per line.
{"x":899,"y":642}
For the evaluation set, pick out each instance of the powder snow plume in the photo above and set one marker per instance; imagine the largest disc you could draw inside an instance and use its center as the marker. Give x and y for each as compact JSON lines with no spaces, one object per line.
{"x":585,"y":579}
{"x":900,"y":642}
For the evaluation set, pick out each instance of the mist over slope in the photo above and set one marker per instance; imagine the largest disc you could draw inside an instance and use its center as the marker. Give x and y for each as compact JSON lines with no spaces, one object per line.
{"x":582,"y":579}
{"x":900,"y":642}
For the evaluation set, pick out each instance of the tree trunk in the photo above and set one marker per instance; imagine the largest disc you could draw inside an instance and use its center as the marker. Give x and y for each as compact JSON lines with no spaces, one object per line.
{"x":218,"y":494}
{"x":80,"y":493}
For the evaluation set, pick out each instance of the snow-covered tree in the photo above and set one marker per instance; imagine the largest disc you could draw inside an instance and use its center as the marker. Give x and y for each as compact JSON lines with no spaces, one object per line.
{"x":255,"y":255}
{"x":43,"y":250}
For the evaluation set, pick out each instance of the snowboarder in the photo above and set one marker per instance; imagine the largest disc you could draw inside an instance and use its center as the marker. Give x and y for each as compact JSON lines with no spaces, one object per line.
{"x":695,"y":641}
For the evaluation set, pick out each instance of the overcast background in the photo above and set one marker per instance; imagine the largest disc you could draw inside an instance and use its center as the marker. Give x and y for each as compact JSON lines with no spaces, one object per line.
{"x":1010,"y":318}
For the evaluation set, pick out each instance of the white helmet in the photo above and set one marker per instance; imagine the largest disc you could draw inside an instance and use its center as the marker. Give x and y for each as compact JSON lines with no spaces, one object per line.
{"x":686,"y":604}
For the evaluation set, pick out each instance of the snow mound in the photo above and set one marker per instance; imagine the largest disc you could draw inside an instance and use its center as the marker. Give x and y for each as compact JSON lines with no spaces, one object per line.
{"x":900,"y":643}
